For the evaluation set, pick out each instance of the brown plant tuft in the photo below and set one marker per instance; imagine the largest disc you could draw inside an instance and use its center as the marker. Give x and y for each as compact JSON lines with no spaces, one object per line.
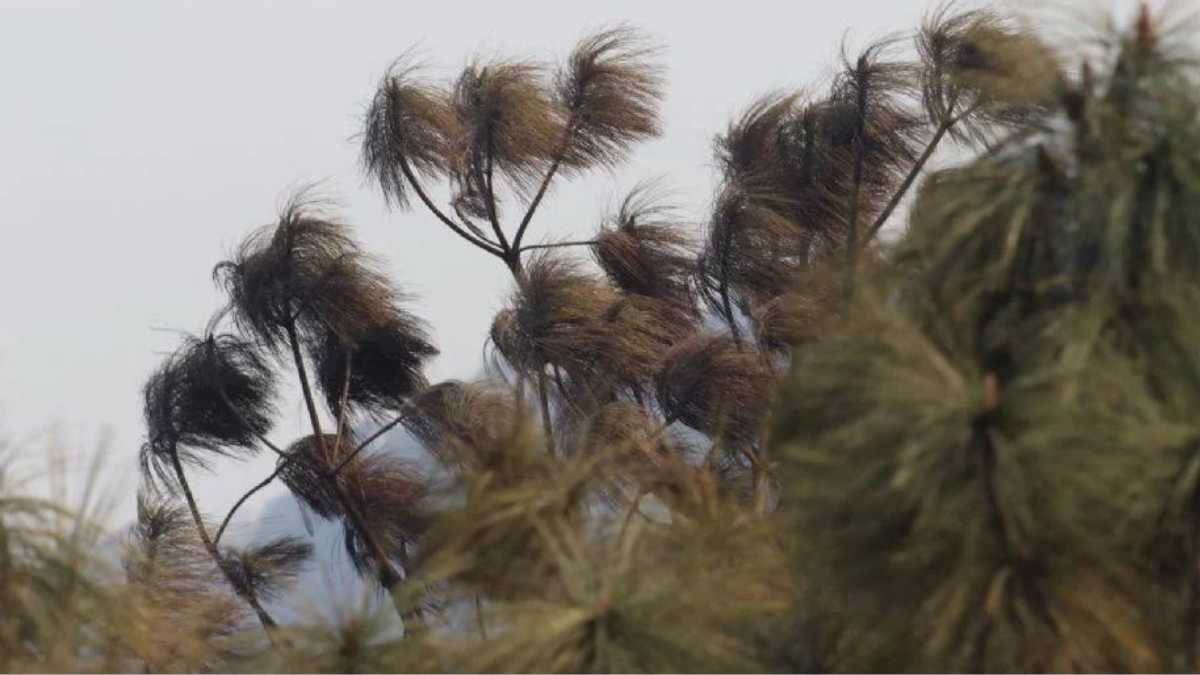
{"x":307,"y":469}
{"x":305,"y":271}
{"x":384,"y":364}
{"x":184,"y":608}
{"x":508,"y":124}
{"x":979,"y":68}
{"x":393,"y":500}
{"x":611,"y":89}
{"x":641,"y":331}
{"x":558,"y":319}
{"x":457,"y":421}
{"x":644,"y":251}
{"x":713,"y":386}
{"x":213,"y":396}
{"x":263,"y":570}
{"x":408,"y":128}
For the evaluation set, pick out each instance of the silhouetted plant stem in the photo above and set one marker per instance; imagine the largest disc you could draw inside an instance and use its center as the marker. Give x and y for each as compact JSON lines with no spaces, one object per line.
{"x":262,"y":439}
{"x":344,"y":400}
{"x":855,"y":193}
{"x":559,"y":244}
{"x":894,"y":200}
{"x":489,"y":247}
{"x":564,"y":393}
{"x":245,"y":594}
{"x":242,"y":500}
{"x":370,"y":439}
{"x":288,"y":459}
{"x":302,"y":374}
{"x":490,"y":203}
{"x":387,"y":575}
{"x":568,"y":133}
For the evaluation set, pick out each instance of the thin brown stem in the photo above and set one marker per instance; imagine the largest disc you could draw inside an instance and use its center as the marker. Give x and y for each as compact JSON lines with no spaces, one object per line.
{"x":560,"y":244}
{"x":489,"y":246}
{"x":288,"y":459}
{"x":564,"y":393}
{"x":568,"y":133}
{"x":261,"y":438}
{"x":245,"y":594}
{"x":388,"y":577}
{"x":370,"y":439}
{"x":310,"y":401}
{"x":242,"y":500}
{"x":344,"y":401}
{"x":490,"y":203}
{"x":915,"y":171}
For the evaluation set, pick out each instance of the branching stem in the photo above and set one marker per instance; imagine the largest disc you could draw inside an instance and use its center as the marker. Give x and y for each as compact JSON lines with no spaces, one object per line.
{"x":490,"y":247}
{"x":389,"y":578}
{"x":210,"y":545}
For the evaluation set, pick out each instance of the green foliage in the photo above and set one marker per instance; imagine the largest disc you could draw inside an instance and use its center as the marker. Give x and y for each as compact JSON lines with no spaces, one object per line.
{"x":988,"y":462}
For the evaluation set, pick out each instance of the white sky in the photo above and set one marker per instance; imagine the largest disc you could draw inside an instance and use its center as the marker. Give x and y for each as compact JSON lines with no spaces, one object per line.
{"x":140,"y":141}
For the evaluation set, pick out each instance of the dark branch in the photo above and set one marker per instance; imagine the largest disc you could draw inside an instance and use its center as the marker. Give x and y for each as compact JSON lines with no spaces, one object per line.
{"x":908,"y":180}
{"x":560,"y":244}
{"x":489,"y":246}
{"x":568,"y":133}
{"x":490,"y":204}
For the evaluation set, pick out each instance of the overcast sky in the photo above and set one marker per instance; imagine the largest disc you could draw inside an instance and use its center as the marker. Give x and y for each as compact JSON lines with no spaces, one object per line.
{"x":140,"y":141}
